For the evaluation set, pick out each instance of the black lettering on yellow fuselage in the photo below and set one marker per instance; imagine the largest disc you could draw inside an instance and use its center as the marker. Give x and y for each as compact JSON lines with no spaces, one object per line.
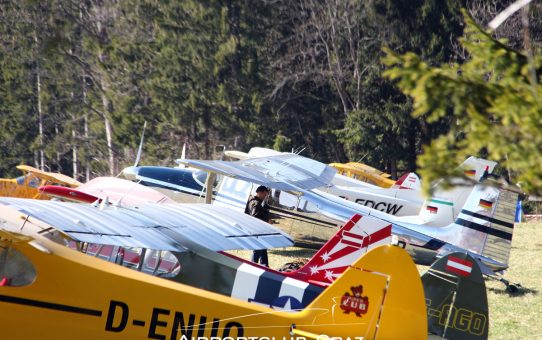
{"x":177,"y":325}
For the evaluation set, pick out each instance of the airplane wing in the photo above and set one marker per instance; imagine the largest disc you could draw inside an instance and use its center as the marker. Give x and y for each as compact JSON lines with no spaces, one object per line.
{"x":155,"y":226}
{"x":283,"y":172}
{"x":50,"y":176}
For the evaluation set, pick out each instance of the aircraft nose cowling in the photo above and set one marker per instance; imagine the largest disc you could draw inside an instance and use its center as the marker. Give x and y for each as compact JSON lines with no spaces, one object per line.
{"x":130,"y":173}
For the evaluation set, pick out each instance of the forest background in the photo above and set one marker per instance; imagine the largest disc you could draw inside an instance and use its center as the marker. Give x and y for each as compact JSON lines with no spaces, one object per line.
{"x":78,"y":78}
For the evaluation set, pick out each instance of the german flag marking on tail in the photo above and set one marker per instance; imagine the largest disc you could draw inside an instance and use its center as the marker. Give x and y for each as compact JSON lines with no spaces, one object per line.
{"x":485,"y":204}
{"x":470,"y":173}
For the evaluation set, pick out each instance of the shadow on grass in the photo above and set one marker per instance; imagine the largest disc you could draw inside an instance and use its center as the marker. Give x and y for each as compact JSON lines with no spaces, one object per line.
{"x":519,"y":292}
{"x":293,"y":252}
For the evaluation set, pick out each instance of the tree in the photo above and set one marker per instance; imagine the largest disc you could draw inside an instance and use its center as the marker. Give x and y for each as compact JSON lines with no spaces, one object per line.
{"x":495,"y":99}
{"x":381,"y":131}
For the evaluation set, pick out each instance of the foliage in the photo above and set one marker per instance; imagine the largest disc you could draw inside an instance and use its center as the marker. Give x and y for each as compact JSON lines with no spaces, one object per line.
{"x":382,"y":132}
{"x":494,"y":98}
{"x":78,"y":79}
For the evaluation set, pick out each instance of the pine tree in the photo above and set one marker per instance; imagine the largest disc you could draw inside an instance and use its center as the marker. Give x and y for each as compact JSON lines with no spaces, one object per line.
{"x":495,"y":101}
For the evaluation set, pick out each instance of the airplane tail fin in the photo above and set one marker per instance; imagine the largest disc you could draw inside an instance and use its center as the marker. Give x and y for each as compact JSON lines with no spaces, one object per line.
{"x":456,"y":299}
{"x":485,"y":224}
{"x":408,"y":181}
{"x":355,"y":237}
{"x":379,"y":295}
{"x":477,"y":168}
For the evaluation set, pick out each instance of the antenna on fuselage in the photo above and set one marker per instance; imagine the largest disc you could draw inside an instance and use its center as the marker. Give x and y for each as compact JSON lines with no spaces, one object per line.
{"x":139,"y":151}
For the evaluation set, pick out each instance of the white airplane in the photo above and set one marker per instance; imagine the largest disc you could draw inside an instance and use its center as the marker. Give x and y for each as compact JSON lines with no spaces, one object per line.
{"x":483,"y":227}
{"x":404,"y":199}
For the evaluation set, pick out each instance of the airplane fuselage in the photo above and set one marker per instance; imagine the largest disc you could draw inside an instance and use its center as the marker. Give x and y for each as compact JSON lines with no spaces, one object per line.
{"x":68,"y":294}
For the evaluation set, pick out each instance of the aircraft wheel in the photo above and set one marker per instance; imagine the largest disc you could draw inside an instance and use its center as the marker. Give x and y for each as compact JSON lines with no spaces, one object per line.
{"x":512,"y":288}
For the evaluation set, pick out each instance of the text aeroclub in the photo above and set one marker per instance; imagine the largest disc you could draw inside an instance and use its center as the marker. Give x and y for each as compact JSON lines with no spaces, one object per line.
{"x":167,"y":324}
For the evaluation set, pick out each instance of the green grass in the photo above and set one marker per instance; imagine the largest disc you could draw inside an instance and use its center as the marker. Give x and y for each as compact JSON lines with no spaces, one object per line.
{"x":517,"y":316}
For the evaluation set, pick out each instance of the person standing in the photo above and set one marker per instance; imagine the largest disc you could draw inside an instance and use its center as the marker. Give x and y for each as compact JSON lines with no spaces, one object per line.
{"x":256,"y":208}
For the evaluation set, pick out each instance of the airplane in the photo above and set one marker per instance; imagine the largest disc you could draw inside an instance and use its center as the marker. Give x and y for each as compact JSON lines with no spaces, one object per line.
{"x":27,"y":184}
{"x":483,"y":227}
{"x":68,"y":293}
{"x":183,"y":185}
{"x":294,"y":214}
{"x":404,"y":198}
{"x":256,"y":281}
{"x":111,"y":188}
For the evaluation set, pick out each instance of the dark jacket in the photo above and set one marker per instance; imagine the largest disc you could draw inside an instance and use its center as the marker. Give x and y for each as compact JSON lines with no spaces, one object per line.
{"x":255,"y":208}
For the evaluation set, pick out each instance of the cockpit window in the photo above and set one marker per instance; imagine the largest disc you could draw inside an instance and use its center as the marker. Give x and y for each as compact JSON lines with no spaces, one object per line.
{"x":160,"y":263}
{"x":28,"y":180}
{"x":15,"y":268}
{"x":200,"y":176}
{"x":155,"y":262}
{"x":20,"y":180}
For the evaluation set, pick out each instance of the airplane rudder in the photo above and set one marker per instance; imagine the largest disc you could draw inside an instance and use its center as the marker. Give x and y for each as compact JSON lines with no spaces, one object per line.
{"x":332,"y":249}
{"x":456,"y":298}
{"x":383,"y":279}
{"x":486,"y":222}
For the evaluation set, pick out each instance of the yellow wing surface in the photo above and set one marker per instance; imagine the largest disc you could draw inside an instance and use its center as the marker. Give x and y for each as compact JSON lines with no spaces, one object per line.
{"x":364,"y":173}
{"x":74,"y":295}
{"x":27,"y":186}
{"x":51,"y":176}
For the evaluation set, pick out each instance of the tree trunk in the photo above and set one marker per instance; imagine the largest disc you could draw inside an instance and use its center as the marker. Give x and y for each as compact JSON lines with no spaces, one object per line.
{"x":108,"y":133}
{"x":74,"y":156}
{"x":87,"y":163}
{"x":40,"y":116}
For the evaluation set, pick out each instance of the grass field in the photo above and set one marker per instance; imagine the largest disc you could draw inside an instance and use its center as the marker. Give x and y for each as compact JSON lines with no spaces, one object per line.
{"x":517,"y":316}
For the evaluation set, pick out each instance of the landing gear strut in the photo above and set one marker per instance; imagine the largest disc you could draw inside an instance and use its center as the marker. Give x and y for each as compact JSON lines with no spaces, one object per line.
{"x":511,"y":287}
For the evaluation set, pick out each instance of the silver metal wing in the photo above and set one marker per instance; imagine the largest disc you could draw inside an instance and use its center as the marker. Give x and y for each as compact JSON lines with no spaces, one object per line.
{"x":172,"y":227}
{"x":283,"y":172}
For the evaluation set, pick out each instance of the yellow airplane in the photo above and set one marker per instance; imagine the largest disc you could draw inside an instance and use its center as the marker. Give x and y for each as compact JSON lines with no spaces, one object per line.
{"x":50,"y":291}
{"x":26,"y":186}
{"x":365,"y":173}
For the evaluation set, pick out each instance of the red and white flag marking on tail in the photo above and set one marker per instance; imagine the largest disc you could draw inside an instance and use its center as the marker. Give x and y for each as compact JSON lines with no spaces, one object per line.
{"x":459,"y":266}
